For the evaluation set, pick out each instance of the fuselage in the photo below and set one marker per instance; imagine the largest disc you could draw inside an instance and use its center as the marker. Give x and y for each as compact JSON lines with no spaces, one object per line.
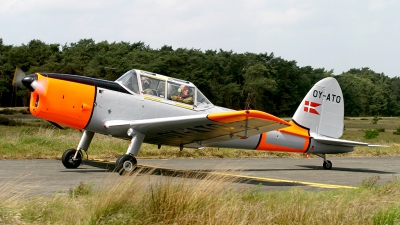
{"x":86,"y":103}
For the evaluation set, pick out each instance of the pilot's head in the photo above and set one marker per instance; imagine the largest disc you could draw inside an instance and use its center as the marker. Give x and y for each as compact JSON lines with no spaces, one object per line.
{"x":184,"y":90}
{"x":145,"y":82}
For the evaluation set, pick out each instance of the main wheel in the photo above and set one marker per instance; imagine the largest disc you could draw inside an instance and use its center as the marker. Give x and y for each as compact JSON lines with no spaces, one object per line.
{"x":327,"y":165}
{"x":125,"y":164}
{"x":68,"y":158}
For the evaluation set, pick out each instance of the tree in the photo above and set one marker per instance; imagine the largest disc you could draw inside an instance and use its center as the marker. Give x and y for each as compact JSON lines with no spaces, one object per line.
{"x":257,"y":81}
{"x":246,"y":80}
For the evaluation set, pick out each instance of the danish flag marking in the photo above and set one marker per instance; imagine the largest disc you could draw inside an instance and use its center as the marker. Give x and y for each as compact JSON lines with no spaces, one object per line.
{"x":310,"y":107}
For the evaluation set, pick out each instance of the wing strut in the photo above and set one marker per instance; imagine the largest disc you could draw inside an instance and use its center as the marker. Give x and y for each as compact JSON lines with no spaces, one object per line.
{"x":246,"y":125}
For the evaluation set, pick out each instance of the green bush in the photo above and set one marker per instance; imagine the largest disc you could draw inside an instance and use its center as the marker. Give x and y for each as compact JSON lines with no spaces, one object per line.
{"x":375,"y":120}
{"x":397,"y":132}
{"x":371,"y":133}
{"x":380,"y":129}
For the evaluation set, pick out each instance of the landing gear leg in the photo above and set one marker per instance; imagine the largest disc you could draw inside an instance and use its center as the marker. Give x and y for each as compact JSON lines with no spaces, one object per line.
{"x":127,"y":163}
{"x":72,"y":158}
{"x":327,"y":164}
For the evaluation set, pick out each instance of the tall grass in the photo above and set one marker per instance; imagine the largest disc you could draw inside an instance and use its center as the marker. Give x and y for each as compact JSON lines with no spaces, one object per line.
{"x":150,"y":199}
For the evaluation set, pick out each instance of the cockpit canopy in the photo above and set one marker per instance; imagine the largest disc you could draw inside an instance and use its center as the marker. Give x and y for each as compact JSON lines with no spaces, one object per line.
{"x":164,"y":88}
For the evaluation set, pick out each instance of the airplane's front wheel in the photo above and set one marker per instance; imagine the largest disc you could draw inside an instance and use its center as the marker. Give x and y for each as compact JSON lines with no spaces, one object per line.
{"x":125,"y":164}
{"x":69,"y":160}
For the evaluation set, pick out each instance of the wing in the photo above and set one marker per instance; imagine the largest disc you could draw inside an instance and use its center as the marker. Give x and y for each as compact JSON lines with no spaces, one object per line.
{"x":200,"y":130}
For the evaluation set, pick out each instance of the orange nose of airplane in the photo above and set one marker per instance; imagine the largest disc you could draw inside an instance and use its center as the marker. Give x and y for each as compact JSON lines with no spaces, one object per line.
{"x":59,"y":100}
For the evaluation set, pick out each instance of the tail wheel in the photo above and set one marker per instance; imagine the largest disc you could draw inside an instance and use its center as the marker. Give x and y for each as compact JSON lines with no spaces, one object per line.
{"x":68,"y":159}
{"x":327,"y":165}
{"x":126,"y":164}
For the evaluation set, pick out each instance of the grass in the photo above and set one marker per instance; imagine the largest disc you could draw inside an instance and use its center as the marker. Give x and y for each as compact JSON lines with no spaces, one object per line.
{"x":147,"y":199}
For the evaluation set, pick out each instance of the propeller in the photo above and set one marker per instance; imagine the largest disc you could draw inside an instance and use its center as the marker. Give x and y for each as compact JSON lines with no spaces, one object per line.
{"x":20,"y":79}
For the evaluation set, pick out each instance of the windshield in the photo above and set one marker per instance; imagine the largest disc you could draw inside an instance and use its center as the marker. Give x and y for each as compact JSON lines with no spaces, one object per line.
{"x":202,"y":102}
{"x":129,"y":80}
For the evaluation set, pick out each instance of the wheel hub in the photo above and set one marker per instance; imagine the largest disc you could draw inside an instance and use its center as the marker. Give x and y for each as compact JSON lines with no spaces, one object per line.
{"x":73,"y":159}
{"x":128,"y":165}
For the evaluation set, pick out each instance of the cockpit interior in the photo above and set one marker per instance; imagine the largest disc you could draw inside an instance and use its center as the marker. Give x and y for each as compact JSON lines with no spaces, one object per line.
{"x":165,"y":89}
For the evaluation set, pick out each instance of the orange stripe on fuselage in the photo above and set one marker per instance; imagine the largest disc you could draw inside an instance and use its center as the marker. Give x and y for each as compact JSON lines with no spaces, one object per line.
{"x":64,"y":102}
{"x":299,"y":136}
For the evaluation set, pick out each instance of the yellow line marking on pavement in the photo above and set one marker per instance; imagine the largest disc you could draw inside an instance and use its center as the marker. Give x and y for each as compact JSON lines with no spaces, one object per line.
{"x":312,"y":184}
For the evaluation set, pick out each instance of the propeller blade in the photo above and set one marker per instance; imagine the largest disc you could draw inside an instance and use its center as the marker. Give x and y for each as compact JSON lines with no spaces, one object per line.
{"x":18,"y":76}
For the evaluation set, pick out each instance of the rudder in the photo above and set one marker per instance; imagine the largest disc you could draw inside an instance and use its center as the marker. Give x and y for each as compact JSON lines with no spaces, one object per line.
{"x":322,"y":110}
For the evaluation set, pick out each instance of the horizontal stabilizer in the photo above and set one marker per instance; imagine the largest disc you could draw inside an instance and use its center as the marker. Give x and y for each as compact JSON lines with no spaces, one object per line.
{"x":341,"y":142}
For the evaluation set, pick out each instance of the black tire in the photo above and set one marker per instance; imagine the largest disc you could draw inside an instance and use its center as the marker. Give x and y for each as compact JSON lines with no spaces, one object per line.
{"x":327,"y":165}
{"x":117,"y":163}
{"x":125,"y":164}
{"x":118,"y":166}
{"x":67,"y":160}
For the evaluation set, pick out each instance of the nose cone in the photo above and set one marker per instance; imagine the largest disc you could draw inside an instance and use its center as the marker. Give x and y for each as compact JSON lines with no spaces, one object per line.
{"x":27,"y":82}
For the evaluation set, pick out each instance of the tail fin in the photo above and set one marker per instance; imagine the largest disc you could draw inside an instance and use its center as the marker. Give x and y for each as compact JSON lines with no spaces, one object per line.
{"x":322,"y":110}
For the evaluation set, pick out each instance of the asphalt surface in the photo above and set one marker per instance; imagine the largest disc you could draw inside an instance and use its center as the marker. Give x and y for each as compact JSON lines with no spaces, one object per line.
{"x":50,"y":177}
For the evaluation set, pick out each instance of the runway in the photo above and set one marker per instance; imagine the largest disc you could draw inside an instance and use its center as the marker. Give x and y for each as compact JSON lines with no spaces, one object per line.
{"x":48,"y":177}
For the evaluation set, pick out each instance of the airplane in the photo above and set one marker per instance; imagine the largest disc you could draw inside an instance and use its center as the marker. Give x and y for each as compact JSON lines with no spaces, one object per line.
{"x":146,"y":107}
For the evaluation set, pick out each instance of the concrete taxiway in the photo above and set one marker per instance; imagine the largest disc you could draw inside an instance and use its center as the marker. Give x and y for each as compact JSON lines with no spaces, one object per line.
{"x":48,"y":177}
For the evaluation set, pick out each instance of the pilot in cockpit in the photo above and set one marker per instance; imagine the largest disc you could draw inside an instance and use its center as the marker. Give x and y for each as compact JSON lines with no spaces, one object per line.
{"x":184,"y":95}
{"x":146,"y":86}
